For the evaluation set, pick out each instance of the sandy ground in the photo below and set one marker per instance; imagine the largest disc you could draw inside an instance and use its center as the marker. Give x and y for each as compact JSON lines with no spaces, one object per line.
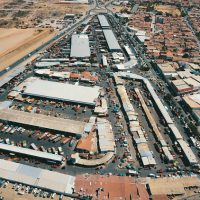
{"x":32,"y":14}
{"x":15,"y":43}
{"x":9,"y":194}
{"x":168,"y":9}
{"x":115,"y":8}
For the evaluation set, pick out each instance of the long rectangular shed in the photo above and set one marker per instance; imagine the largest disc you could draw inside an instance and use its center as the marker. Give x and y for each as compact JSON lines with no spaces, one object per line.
{"x":158,"y":102}
{"x":103,"y":22}
{"x":43,"y":121}
{"x":31,"y":152}
{"x":188,"y":152}
{"x":112,"y":42}
{"x":177,"y":135}
{"x":8,"y":76}
{"x":105,"y":135}
{"x":63,"y":92}
{"x":37,"y":177}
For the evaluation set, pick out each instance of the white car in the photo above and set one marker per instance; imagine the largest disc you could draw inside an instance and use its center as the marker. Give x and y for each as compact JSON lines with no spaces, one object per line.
{"x":152,"y":175}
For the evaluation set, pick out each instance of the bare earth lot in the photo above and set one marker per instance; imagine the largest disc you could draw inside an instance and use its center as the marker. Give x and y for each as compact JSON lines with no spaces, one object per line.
{"x":15,"y":43}
{"x":173,"y":10}
{"x":23,"y":13}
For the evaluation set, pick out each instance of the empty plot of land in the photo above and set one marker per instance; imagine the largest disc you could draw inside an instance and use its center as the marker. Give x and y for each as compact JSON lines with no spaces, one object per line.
{"x":30,"y":14}
{"x":15,"y":43}
{"x":173,"y":10}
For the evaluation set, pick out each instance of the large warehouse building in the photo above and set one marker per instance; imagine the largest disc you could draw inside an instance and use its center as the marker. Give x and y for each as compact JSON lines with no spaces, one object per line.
{"x":43,"y":121}
{"x":37,"y":177}
{"x":63,"y":92}
{"x":112,"y":42}
{"x":80,"y":46}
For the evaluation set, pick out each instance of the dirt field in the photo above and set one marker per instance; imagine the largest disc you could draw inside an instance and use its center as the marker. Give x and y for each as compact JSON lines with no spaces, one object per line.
{"x":173,"y":10}
{"x":20,"y":13}
{"x":15,"y":43}
{"x":120,"y":8}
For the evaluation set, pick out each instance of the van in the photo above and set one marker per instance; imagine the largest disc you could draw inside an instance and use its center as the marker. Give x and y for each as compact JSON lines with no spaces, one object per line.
{"x":43,"y":149}
{"x":49,"y":150}
{"x":60,"y":149}
{"x":13,"y":130}
{"x":24,"y":144}
{"x":7,"y":141}
{"x":5,"y":127}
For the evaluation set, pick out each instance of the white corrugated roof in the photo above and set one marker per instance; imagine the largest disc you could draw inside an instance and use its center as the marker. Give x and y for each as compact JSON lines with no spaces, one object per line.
{"x":37,"y":177}
{"x":103,"y":21}
{"x":106,"y":137}
{"x":188,"y":152}
{"x":167,"y":153}
{"x":30,"y":152}
{"x":111,"y":40}
{"x":175,"y":131}
{"x":80,"y":46}
{"x":46,"y":64}
{"x":63,"y":91}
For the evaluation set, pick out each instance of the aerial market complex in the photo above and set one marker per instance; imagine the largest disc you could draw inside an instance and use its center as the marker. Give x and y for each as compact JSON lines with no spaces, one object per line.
{"x":100,"y":99}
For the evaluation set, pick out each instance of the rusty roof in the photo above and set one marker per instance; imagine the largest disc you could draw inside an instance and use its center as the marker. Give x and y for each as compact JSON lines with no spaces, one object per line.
{"x":88,"y":75}
{"x":110,"y":187}
{"x":75,"y":75}
{"x":85,"y":143}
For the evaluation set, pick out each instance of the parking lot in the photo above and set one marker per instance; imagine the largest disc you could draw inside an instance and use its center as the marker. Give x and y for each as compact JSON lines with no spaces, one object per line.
{"x":18,"y":191}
